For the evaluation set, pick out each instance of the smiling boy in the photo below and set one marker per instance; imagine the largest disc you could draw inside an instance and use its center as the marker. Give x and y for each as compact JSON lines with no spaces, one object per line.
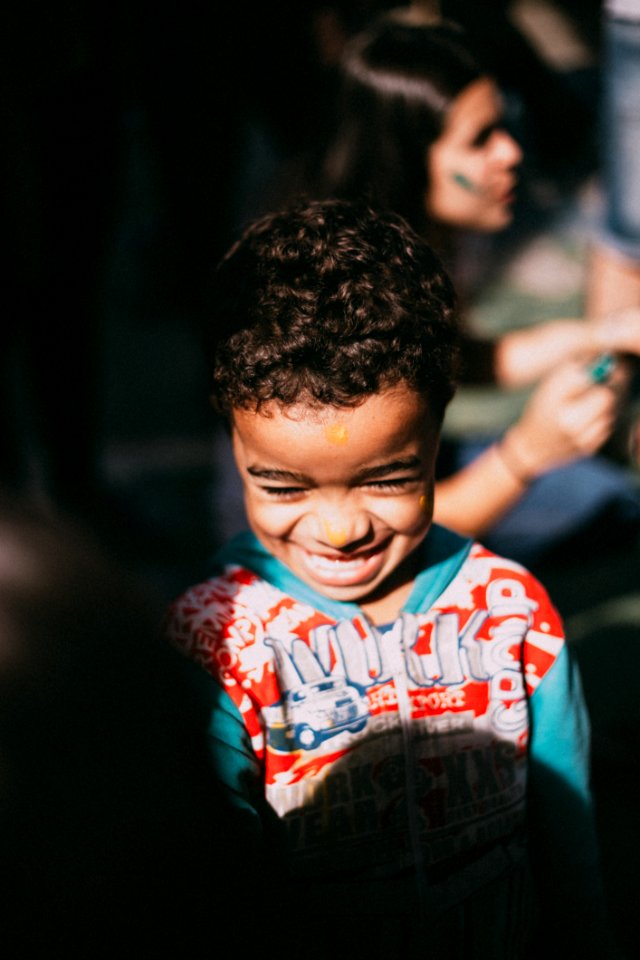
{"x":401,"y":698}
{"x":343,"y":497}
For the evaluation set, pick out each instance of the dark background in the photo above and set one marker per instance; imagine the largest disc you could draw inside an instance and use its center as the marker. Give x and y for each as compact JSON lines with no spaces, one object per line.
{"x":139,"y":138}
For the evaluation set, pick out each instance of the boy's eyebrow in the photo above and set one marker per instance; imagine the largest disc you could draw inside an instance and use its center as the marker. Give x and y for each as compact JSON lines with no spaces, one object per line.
{"x":393,"y":466}
{"x":367,"y":473}
{"x":264,"y":473}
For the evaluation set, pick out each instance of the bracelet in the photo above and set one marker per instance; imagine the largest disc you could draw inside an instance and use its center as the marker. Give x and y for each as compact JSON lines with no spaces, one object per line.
{"x":515,"y":466}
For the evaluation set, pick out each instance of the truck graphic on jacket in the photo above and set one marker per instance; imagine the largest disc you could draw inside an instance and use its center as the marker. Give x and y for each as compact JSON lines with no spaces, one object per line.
{"x":316,"y":711}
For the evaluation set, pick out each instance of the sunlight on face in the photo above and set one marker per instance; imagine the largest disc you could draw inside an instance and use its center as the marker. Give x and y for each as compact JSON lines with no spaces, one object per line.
{"x":345,"y":518}
{"x":471,"y":166}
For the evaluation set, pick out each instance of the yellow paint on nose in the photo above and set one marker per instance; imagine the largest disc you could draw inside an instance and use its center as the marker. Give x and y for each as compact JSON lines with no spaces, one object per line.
{"x":337,"y":536}
{"x":423,"y":503}
{"x":336,"y":433}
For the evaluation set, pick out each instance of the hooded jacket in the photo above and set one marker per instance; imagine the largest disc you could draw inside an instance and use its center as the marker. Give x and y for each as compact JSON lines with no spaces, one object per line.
{"x":415,"y":765}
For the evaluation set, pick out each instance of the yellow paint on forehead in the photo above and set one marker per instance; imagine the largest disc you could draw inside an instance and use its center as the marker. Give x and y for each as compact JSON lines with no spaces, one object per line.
{"x":336,"y":433}
{"x":337,"y":536}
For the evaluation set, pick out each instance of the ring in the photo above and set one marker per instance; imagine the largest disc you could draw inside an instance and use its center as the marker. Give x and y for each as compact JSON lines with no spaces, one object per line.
{"x":601,"y":368}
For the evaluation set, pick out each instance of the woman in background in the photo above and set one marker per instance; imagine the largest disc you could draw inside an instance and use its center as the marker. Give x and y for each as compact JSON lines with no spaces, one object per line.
{"x":421,"y":132}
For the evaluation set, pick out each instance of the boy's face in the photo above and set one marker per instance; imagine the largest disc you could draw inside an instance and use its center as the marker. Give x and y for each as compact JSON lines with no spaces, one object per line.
{"x":341,"y":495}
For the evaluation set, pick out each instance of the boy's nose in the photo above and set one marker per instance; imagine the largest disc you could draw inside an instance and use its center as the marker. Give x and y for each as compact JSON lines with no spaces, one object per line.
{"x":340,"y":528}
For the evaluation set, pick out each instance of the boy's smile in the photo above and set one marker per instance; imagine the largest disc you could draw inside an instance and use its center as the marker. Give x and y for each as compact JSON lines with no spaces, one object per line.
{"x":342,"y":495}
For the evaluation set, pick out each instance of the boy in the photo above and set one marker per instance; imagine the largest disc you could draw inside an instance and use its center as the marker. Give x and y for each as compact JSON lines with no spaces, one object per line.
{"x":401,"y":697}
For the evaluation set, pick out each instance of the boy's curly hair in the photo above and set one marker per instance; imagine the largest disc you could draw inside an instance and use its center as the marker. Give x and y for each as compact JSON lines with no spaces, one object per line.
{"x":327,"y":303}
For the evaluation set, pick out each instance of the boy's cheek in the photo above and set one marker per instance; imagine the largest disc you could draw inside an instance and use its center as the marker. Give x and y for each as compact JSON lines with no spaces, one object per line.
{"x":274,"y":519}
{"x":413,"y":508}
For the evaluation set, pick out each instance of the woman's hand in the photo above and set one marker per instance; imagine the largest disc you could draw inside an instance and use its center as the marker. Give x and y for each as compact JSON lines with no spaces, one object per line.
{"x":568,"y":416}
{"x":618,"y":332}
{"x":524,"y":356}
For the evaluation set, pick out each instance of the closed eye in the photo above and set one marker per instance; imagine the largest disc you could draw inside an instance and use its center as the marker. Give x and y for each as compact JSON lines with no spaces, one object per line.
{"x":395,"y":483}
{"x":485,"y":134}
{"x":284,"y":493}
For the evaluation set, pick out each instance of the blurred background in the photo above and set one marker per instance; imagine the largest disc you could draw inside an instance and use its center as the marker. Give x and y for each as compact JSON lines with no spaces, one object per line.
{"x":140,"y":139}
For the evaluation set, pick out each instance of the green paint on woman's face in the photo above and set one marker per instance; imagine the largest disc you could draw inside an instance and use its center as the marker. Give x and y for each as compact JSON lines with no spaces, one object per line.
{"x":466,"y":184}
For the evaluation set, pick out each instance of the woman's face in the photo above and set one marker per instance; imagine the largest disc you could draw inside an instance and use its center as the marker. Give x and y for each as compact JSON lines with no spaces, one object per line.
{"x":471,"y":166}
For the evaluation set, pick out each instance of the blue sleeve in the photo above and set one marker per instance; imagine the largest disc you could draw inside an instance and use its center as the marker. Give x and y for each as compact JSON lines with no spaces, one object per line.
{"x":563,"y":842}
{"x":560,"y":738}
{"x":240,"y":776}
{"x":234,"y":761}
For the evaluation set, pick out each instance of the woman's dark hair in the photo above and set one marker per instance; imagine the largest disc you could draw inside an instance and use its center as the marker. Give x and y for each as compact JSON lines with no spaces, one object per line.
{"x":398,"y":82}
{"x":327,"y":303}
